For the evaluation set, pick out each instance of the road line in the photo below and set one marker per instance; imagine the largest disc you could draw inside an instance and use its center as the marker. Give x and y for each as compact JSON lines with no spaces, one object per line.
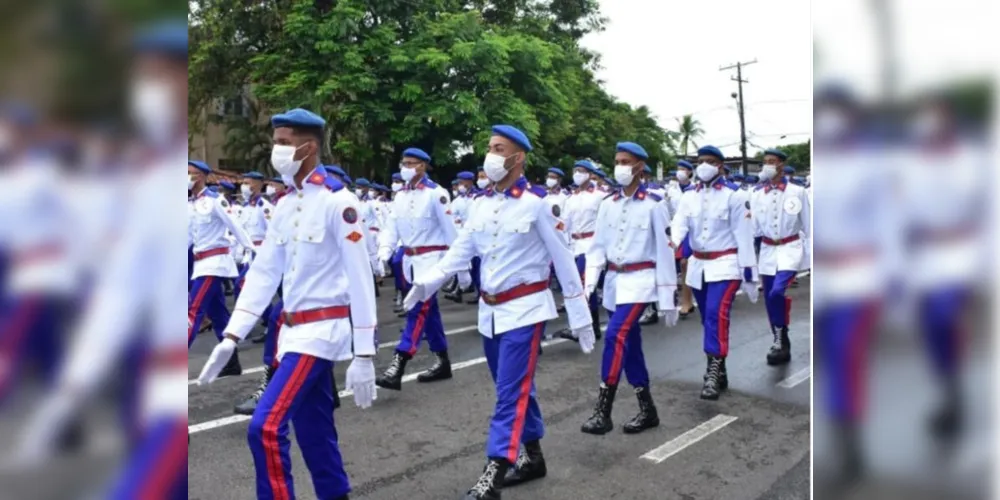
{"x":679,"y":443}
{"x":258,"y":369}
{"x":344,"y":395}
{"x":796,"y":378}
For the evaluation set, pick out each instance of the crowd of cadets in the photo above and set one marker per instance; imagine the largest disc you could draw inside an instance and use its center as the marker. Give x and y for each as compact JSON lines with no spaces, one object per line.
{"x":497,"y":241}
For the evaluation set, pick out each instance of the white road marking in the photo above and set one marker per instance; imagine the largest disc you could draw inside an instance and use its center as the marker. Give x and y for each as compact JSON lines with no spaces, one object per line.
{"x":258,"y":369}
{"x":344,"y":395}
{"x":679,"y":443}
{"x":795,"y":379}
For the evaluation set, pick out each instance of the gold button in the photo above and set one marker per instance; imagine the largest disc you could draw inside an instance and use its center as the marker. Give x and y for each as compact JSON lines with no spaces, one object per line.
{"x":296,"y":224}
{"x":298,"y":209}
{"x":300,"y":195}
{"x":296,"y":238}
{"x":310,"y":238}
{"x":293,"y":268}
{"x":494,"y":257}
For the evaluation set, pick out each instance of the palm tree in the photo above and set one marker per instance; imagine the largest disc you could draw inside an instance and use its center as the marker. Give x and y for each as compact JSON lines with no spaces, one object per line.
{"x":688,"y":129}
{"x":249,"y":139}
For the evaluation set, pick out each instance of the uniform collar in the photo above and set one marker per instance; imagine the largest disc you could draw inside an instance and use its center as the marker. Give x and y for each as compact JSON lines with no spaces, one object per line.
{"x":317,"y":178}
{"x":639,"y":194}
{"x":517,"y":189}
{"x":780,"y":186}
{"x":717,"y":184}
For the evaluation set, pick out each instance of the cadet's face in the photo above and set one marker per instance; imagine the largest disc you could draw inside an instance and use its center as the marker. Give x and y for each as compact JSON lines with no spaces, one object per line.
{"x":711,"y":160}
{"x":581,"y":170}
{"x":504,"y":147}
{"x":481,"y":175}
{"x":553,"y":176}
{"x":773,"y":160}
{"x":196,"y":174}
{"x":284,"y":136}
{"x":255,"y":185}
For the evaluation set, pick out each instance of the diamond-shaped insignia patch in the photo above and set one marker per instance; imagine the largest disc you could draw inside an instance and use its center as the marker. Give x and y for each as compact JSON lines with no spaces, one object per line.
{"x":354,"y":236}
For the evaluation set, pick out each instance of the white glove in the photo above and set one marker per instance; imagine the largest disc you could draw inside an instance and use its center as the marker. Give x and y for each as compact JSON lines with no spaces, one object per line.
{"x":247,"y":256}
{"x":416,"y":294}
{"x":360,"y":379}
{"x":464,"y":280}
{"x":669,"y":316}
{"x":379,"y":269}
{"x":216,"y":361}
{"x":750,"y":288}
{"x":585,"y":336}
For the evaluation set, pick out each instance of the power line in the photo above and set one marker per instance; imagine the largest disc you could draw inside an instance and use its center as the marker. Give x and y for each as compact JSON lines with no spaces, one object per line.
{"x":739,"y":102}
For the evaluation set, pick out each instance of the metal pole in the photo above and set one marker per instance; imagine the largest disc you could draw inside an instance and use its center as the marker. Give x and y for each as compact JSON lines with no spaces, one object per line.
{"x":739,"y":108}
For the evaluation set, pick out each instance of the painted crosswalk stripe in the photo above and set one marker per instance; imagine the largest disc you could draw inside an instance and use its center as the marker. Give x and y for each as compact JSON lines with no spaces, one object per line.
{"x":795,"y":379}
{"x":679,"y":443}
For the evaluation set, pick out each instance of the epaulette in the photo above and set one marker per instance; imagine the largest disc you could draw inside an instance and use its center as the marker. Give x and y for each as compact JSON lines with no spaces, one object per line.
{"x":732,"y":186}
{"x":654,"y":196}
{"x":538,"y":191}
{"x":211,"y":193}
{"x":609,"y":195}
{"x":758,"y":187}
{"x":333,"y":184}
{"x":260,"y":203}
{"x":429,"y":183}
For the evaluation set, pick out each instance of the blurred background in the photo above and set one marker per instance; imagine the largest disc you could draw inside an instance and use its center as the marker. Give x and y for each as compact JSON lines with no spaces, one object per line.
{"x":904,"y":166}
{"x":89,"y":108}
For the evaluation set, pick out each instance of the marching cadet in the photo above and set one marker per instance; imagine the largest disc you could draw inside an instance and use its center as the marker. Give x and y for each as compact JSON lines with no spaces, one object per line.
{"x":276,"y":188}
{"x":717,"y":218}
{"x":421,"y":221}
{"x":368,"y":219}
{"x":212,"y":260}
{"x":685,"y":178}
{"x":555,"y":191}
{"x":396,"y":262}
{"x":460,"y":207}
{"x":780,"y":211}
{"x":517,"y":235}
{"x":631,"y":233}
{"x":482,"y":182}
{"x":581,"y":221}
{"x":315,"y":245}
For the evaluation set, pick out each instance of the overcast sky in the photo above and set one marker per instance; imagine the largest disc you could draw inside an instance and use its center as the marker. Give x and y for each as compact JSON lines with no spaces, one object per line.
{"x":666,"y":54}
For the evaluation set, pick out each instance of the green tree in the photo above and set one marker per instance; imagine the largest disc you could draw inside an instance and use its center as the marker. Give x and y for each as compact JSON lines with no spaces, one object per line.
{"x":798,"y":156}
{"x":688,"y":131}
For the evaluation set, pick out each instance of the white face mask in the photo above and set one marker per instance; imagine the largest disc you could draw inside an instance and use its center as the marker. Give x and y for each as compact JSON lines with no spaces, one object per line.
{"x":396,"y":186}
{"x":767,"y":172}
{"x":152,"y":107}
{"x":623,"y":175}
{"x":707,"y":172}
{"x":359,"y":193}
{"x":482,"y":183}
{"x":683,"y":175}
{"x":462,"y":189}
{"x":494,"y":167}
{"x":190,"y":182}
{"x":580,"y":178}
{"x":270,"y":190}
{"x":407,"y":173}
{"x":551,"y":183}
{"x":283,"y":160}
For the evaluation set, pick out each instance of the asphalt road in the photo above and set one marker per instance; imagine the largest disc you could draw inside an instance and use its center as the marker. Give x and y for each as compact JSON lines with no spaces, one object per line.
{"x":427,"y":441}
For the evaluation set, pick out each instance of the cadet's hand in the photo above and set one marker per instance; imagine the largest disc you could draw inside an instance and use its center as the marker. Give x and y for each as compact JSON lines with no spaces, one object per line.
{"x":379,"y":270}
{"x":750,"y":288}
{"x":669,"y":317}
{"x":585,"y":336}
{"x":216,"y":361}
{"x":415,"y":295}
{"x":464,"y":280}
{"x":360,"y":379}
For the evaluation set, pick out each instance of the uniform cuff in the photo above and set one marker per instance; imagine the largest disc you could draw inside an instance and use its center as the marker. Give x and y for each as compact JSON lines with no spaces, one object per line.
{"x":578,"y":312}
{"x":241,"y":322}
{"x":665,"y":297}
{"x":364,"y":341}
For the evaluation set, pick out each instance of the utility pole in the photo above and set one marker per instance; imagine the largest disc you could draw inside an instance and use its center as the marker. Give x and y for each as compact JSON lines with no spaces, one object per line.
{"x":739,"y":108}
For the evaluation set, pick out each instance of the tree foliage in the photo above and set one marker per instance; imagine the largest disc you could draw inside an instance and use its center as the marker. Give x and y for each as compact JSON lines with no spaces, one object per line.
{"x":798,"y":156}
{"x":434,"y":74}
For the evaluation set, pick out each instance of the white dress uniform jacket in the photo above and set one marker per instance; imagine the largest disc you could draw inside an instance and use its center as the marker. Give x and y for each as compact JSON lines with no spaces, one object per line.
{"x":631,"y":231}
{"x":781,"y":212}
{"x":717,"y":218}
{"x":209,"y":224}
{"x":580,"y":213}
{"x":420,"y":219}
{"x":516,"y":236}
{"x":315,"y":248}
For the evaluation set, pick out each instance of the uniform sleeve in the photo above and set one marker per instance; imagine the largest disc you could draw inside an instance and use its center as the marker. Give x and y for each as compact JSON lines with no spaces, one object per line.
{"x":371,"y":243}
{"x":461,"y":250}
{"x":805,"y":215}
{"x":741,"y":226}
{"x":444,"y":219}
{"x":235,"y":228}
{"x":262,"y":280}
{"x":388,"y":237}
{"x":352,"y":240}
{"x":678,"y":224}
{"x":666,"y":272}
{"x":755,"y":213}
{"x":577,"y":310}
{"x":597,"y":255}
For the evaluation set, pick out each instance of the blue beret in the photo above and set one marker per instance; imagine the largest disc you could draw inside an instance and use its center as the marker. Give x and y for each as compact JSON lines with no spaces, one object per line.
{"x":711,"y":151}
{"x":363,"y":182}
{"x":380,"y":187}
{"x":752,"y":178}
{"x":454,"y":182}
{"x":557,"y":171}
{"x":277,"y":179}
{"x":335,"y":170}
{"x":685,"y":164}
{"x":397,"y":177}
{"x":297,"y":117}
{"x":587,"y":164}
{"x":776,"y":152}
{"x":418,"y":154}
{"x":725,"y":167}
{"x":632,"y":149}
{"x":514,"y":134}
{"x":227,"y":184}
{"x":200,"y":165}
{"x":738,"y":176}
{"x":789,"y":169}
{"x":647,"y":170}
{"x":348,"y":180}
{"x":465,"y":175}
{"x":169,"y":38}
{"x":254,"y":175}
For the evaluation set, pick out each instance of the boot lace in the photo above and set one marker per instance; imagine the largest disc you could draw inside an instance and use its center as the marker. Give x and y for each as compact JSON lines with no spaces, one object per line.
{"x":485,"y":483}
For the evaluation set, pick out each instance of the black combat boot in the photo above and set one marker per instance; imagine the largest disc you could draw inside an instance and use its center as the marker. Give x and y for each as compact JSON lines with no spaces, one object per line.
{"x":393,"y":376}
{"x":647,"y":418}
{"x":232,"y":368}
{"x":946,"y":421}
{"x":489,"y":484}
{"x":530,"y":466}
{"x":852,"y":466}
{"x":648,"y":316}
{"x":712,"y":386}
{"x":723,"y":374}
{"x":440,"y":371}
{"x":595,"y":318}
{"x":600,"y":422}
{"x":455,"y":295}
{"x":336,"y":394}
{"x":250,"y":403}
{"x":781,"y":350}
{"x":475,"y":295}
{"x":397,"y":304}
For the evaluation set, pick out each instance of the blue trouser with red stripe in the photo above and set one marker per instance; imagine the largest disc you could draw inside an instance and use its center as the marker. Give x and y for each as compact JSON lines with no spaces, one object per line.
{"x":301,"y":392}
{"x":206,"y":297}
{"x":512,"y":357}
{"x":715,"y":303}
{"x":623,"y":347}
{"x":30,"y":329}
{"x":778,"y":305}
{"x":396,"y":263}
{"x":157,"y":466}
{"x":941,"y":315}
{"x":843,"y":331}
{"x":274,"y":324}
{"x":423,"y":321}
{"x":581,"y":267}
